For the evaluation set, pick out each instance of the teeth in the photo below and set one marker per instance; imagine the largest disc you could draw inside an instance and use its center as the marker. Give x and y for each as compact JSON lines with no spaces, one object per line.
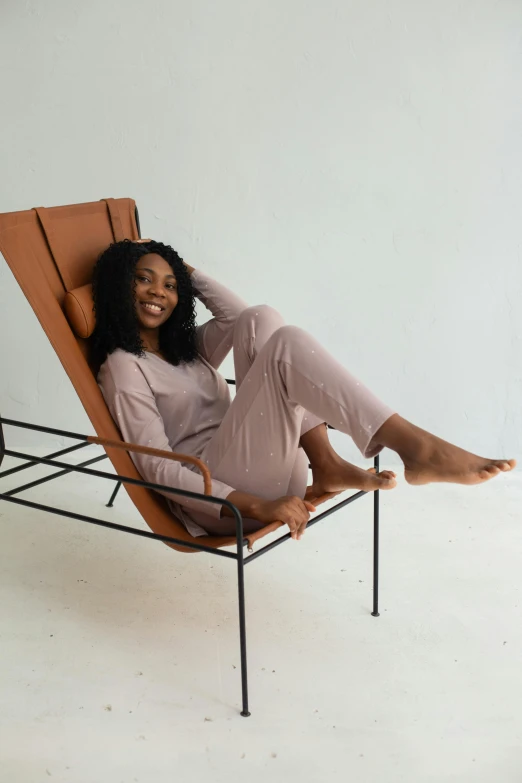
{"x":153,"y":307}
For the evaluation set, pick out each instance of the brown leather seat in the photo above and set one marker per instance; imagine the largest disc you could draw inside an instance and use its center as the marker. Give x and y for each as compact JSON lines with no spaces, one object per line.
{"x":52,"y":252}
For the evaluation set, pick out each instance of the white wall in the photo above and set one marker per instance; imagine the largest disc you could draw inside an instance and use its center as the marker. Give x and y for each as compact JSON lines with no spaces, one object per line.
{"x":358,"y":164}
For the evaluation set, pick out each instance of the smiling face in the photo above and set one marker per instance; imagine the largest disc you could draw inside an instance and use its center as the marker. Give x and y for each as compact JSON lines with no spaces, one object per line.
{"x":156,"y":295}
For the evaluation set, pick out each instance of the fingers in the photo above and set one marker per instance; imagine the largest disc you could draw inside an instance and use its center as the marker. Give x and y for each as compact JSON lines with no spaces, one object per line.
{"x":292,"y":524}
{"x":306,"y":508}
{"x":301,"y":529}
{"x":303,"y":509}
{"x":295,"y":513}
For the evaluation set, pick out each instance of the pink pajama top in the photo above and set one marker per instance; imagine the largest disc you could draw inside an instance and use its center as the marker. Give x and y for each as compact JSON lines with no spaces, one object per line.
{"x":176,"y":408}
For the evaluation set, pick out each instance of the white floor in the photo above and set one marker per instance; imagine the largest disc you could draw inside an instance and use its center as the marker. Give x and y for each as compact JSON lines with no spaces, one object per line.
{"x":120,"y":657}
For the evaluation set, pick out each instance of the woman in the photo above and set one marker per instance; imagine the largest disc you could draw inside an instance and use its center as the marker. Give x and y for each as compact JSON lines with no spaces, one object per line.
{"x":158,"y":374}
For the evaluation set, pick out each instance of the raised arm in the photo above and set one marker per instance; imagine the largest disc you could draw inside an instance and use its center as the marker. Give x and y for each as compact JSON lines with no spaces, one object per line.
{"x":215,"y":337}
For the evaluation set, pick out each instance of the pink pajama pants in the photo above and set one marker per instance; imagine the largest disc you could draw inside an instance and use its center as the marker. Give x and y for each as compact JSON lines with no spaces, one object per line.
{"x":286,"y":384}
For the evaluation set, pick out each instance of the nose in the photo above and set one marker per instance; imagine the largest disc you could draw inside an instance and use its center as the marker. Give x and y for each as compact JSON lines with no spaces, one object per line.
{"x":157,"y":289}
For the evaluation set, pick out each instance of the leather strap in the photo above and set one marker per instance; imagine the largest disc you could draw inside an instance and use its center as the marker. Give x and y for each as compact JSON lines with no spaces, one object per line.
{"x":120,"y":444}
{"x":46,"y":223}
{"x":114,"y":215}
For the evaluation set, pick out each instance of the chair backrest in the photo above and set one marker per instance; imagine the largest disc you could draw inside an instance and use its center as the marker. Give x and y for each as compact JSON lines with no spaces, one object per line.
{"x":53,"y":251}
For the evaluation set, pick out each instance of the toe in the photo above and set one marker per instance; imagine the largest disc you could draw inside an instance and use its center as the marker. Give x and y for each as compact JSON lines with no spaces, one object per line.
{"x":386,"y":474}
{"x":387,"y":479}
{"x":488,"y":472}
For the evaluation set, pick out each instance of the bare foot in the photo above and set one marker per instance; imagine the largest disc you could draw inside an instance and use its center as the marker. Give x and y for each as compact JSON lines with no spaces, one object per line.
{"x":343,"y":475}
{"x":444,"y":462}
{"x":429,"y":459}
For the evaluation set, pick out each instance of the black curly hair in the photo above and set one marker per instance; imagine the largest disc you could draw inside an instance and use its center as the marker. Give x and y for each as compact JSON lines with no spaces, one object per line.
{"x":117,"y":325}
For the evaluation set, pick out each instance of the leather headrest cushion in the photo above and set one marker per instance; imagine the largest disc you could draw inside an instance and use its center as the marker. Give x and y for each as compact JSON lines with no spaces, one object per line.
{"x":79,"y":307}
{"x":79,"y":310}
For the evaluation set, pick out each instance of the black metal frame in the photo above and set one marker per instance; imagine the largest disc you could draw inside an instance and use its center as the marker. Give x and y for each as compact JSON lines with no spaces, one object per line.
{"x":241,"y":542}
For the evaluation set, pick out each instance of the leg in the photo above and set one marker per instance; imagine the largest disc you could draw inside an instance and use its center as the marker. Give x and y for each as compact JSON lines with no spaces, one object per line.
{"x":426,"y":457}
{"x":242,"y":624}
{"x":429,"y":459}
{"x":113,"y":496}
{"x":254,"y":327}
{"x":255,"y":447}
{"x":376,"y":499}
{"x":332,"y":474}
{"x":2,"y":445}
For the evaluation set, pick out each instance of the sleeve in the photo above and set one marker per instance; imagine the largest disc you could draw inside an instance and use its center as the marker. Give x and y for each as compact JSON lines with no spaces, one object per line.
{"x":140,"y":422}
{"x":214,"y":338}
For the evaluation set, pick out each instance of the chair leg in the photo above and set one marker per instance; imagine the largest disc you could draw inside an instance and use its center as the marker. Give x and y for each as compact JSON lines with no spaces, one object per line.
{"x":2,"y":445}
{"x":242,"y":630}
{"x":113,"y":496}
{"x":375,"y":612}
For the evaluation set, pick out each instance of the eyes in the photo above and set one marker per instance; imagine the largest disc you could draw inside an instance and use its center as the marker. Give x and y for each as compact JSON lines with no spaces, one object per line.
{"x":146,"y":279}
